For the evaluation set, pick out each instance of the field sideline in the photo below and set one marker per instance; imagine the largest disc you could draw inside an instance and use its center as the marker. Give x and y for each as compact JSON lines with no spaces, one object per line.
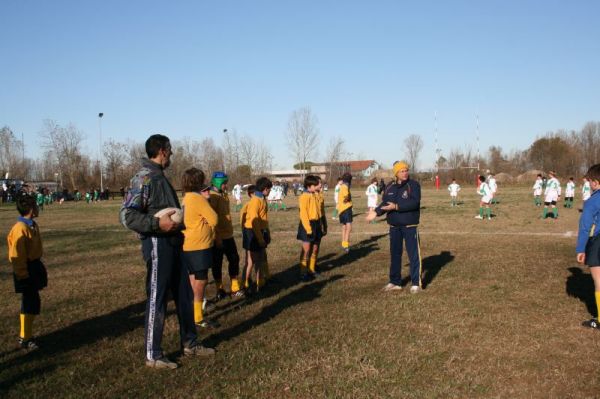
{"x":500,"y":315}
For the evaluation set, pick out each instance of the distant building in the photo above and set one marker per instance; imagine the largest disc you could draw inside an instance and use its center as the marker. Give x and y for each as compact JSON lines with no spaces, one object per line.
{"x":329,"y":171}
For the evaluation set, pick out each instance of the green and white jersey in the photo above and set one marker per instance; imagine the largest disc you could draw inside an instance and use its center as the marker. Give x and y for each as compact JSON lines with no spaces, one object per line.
{"x":371,"y":189}
{"x":570,"y":189}
{"x":586,"y":191}
{"x":553,"y":189}
{"x":538,"y":186}
{"x":454,"y":188}
{"x":484,"y":190}
{"x":336,"y":192}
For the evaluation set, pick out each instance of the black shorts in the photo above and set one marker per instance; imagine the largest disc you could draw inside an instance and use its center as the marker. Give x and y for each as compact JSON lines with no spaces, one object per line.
{"x":550,"y":203}
{"x":250,"y":242}
{"x":592,"y":251}
{"x":37,"y":280}
{"x":198,"y":262}
{"x":315,"y":237}
{"x":346,"y":216}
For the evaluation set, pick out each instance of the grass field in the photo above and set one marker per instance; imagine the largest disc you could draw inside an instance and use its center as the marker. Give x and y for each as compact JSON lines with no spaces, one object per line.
{"x":500,"y":315}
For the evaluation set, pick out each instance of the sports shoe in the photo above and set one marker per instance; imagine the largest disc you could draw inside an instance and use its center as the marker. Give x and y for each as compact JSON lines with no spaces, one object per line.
{"x":28,"y":345}
{"x":221,"y":294}
{"x":592,"y":323}
{"x":307,"y":277}
{"x":415,"y":289}
{"x":238,"y":294}
{"x":478,"y":217}
{"x":208,"y":323}
{"x":391,"y":287}
{"x":198,"y":350}
{"x":161,"y":363}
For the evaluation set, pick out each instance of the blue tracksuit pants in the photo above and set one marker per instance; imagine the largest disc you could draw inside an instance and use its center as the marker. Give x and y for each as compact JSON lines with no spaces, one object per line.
{"x":166,"y":273}
{"x":409,"y":235}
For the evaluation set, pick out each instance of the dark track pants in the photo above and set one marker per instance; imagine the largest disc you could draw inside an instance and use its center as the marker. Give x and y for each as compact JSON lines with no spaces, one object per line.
{"x":166,"y":272}
{"x":410,"y":235}
{"x":229,"y":249}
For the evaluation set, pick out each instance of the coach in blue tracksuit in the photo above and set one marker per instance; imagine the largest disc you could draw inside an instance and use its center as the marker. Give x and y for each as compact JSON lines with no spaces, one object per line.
{"x":401,"y":202}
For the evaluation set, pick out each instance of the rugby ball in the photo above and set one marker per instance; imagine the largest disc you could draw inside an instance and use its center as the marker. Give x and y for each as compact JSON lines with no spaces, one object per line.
{"x":177,"y":217}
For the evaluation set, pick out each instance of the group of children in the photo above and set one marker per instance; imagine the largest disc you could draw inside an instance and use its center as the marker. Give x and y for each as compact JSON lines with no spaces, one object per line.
{"x":551,"y":189}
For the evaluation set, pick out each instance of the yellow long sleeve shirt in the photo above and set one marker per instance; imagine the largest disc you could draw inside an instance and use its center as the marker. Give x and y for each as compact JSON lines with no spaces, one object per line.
{"x":243,"y":214}
{"x":219,"y":201}
{"x":257,"y":217}
{"x":24,"y":244}
{"x":309,"y":210}
{"x":320,"y":203}
{"x":200,"y":221}
{"x":344,"y":198}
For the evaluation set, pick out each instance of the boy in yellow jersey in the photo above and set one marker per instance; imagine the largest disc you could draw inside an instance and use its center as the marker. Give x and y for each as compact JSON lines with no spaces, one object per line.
{"x":200,"y":221}
{"x":224,"y":241}
{"x":29,"y":273}
{"x":255,"y":232}
{"x":309,"y":228}
{"x":247,"y":260}
{"x":344,"y":207}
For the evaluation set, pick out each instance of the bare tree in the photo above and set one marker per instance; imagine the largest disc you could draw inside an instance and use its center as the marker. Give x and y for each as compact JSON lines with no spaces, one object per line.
{"x":413,"y":145}
{"x":11,"y":149}
{"x":333,"y":156}
{"x":65,"y":146}
{"x":115,"y":158}
{"x":302,"y":136}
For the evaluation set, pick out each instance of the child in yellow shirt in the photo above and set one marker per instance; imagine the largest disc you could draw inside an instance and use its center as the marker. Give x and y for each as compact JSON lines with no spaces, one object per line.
{"x":200,"y":221}
{"x":310,"y":230}
{"x":29,"y":273}
{"x":255,"y":231}
{"x":344,"y":207}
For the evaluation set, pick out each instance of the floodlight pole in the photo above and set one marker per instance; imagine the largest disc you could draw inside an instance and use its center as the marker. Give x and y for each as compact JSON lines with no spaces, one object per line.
{"x":100,"y":115}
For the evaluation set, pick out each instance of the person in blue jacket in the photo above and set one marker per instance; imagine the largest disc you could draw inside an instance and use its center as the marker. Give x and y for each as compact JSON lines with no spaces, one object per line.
{"x":588,"y":241}
{"x":401,"y":202}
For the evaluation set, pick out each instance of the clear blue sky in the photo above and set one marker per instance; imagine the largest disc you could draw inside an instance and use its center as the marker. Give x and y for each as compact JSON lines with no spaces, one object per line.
{"x":372,"y":71}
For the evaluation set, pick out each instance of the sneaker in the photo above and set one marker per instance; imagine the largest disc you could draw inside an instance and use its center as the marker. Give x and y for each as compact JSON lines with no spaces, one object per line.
{"x":592,"y":323}
{"x":346,"y":249}
{"x":208,"y":323}
{"x":391,"y":287}
{"x":238,"y":294}
{"x":221,"y":294}
{"x":161,"y":363}
{"x":415,"y":289}
{"x":28,"y":345}
{"x":198,"y":350}
{"x":478,"y":217}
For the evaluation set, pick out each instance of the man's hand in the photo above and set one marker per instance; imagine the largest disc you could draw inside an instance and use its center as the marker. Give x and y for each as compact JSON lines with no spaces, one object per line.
{"x":581,"y":257}
{"x":371,"y":216}
{"x":166,"y":224}
{"x":389,"y":207}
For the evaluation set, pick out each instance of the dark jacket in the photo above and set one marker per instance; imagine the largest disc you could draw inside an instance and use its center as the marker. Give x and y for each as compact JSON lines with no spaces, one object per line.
{"x":150,"y":192}
{"x":407,"y":195}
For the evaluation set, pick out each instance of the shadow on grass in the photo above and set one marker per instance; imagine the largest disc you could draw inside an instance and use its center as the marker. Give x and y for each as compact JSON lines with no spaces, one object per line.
{"x":73,"y":337}
{"x":306,"y":293}
{"x":433,"y":264}
{"x":290,"y":277}
{"x":581,"y":286}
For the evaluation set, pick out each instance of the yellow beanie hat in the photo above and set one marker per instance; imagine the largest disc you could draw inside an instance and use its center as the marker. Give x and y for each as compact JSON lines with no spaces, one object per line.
{"x":399,"y":165}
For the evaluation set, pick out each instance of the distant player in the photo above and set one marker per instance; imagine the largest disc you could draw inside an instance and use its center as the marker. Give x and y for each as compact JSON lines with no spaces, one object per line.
{"x":486,"y":198}
{"x":454,"y":188}
{"x":372,"y":196}
{"x":569,"y":193}
{"x":552,"y":194}
{"x":586,"y":189}
{"x":493,"y":185}
{"x":271,"y":202}
{"x":237,"y":195}
{"x":538,"y":188}
{"x":336,"y":194}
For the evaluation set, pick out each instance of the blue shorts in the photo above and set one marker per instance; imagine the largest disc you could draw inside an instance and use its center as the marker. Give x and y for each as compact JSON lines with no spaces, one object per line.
{"x":315,"y":237}
{"x":250,"y":242}
{"x":37,"y":280}
{"x":592,"y":251}
{"x":346,"y":216}
{"x":198,"y":262}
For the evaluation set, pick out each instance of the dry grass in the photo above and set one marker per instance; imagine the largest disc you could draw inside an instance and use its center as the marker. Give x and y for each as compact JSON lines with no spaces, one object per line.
{"x":499,"y":318}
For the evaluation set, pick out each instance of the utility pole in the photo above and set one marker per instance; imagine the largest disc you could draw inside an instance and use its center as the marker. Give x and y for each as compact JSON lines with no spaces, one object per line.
{"x":100,"y":115}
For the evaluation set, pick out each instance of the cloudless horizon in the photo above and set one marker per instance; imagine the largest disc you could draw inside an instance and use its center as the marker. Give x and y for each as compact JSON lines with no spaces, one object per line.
{"x":372,"y":72}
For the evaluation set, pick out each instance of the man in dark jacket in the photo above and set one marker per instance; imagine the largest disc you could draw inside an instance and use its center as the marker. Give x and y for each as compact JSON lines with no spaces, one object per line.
{"x":401,"y":202}
{"x":162,"y":244}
